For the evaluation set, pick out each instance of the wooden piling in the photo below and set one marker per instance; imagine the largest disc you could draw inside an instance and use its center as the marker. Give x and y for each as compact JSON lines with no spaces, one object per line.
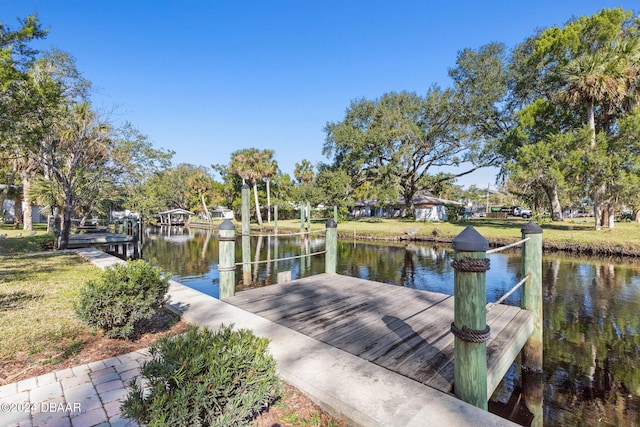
{"x":284,"y":276}
{"x":275,"y":219}
{"x":331,"y":246}
{"x":532,"y":294}
{"x":227,"y":258}
{"x":470,"y":318}
{"x":246,"y":240}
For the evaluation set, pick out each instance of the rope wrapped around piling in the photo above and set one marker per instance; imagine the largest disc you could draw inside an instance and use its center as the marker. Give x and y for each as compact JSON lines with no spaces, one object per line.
{"x":473,"y":265}
{"x":471,"y":335}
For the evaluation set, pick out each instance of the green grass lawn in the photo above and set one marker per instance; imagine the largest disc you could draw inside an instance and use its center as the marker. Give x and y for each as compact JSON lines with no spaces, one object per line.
{"x":567,"y":235}
{"x":21,"y":241}
{"x":37,"y":320}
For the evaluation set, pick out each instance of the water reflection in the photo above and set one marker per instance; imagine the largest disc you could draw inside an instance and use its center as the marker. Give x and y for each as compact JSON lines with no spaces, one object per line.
{"x":591,"y":314}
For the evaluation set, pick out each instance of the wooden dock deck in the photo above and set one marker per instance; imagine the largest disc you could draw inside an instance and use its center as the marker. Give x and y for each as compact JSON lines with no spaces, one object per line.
{"x":96,"y":239}
{"x":404,"y":330}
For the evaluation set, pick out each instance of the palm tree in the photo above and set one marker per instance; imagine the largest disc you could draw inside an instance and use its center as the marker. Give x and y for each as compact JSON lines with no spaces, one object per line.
{"x":304,"y":171}
{"x":247,"y":163}
{"x":595,"y":79}
{"x":201,"y":184}
{"x":270,"y":169}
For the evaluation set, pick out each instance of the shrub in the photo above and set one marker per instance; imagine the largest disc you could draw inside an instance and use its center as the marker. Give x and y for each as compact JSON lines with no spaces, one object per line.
{"x":122,"y":298}
{"x":202,"y":378}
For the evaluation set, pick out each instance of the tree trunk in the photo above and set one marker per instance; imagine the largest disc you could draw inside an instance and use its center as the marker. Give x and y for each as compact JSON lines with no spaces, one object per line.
{"x":28,"y":210}
{"x":268,"y":200}
{"x":206,"y":210}
{"x":636,"y":215}
{"x":592,"y":143}
{"x":408,"y":202}
{"x":255,"y":196}
{"x":17,"y":209}
{"x":592,"y":124}
{"x":612,"y":216}
{"x":596,"y":208}
{"x":66,"y":223}
{"x":554,"y":201}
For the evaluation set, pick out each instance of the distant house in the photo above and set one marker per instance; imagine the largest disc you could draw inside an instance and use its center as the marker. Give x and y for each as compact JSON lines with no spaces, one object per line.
{"x":432,"y":208}
{"x":363,"y":209}
{"x":220,"y":212}
{"x":9,"y":208}
{"x":426,"y":208}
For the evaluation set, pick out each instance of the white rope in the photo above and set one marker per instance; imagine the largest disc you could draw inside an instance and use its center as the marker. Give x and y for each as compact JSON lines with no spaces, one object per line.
{"x":281,"y":259}
{"x":502,"y":248}
{"x":512,"y":290}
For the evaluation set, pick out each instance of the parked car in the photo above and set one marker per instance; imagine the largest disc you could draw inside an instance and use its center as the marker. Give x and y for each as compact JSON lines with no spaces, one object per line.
{"x":522,"y":212}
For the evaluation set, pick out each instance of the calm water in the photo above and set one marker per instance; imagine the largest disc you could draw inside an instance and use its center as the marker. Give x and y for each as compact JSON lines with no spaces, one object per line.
{"x":591,"y":313}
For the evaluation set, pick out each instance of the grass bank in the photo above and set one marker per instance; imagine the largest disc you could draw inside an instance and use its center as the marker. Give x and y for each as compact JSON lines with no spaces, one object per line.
{"x":571,"y":235}
{"x":16,"y":241}
{"x":38,"y":325}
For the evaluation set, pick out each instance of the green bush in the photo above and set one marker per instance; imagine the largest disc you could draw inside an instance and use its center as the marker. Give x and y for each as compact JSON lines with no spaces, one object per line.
{"x":122,"y":298}
{"x":202,"y":378}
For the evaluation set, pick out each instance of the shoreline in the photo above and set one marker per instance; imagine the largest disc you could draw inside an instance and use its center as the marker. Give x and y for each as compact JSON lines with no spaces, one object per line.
{"x":548,"y":246}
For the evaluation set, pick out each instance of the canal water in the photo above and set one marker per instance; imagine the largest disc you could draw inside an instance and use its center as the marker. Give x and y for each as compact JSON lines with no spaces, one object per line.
{"x":591,"y":371}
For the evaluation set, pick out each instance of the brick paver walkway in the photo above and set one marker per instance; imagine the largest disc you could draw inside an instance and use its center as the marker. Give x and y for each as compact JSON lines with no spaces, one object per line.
{"x":82,"y":396}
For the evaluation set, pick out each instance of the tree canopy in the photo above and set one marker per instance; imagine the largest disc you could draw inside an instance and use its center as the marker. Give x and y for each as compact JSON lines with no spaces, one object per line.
{"x":394,"y":142}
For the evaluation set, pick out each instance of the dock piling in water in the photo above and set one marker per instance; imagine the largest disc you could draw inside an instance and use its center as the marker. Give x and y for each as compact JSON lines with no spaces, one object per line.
{"x":470,"y":318}
{"x":532,"y":293}
{"x":331,"y":245}
{"x":246,"y":242}
{"x":532,"y":300}
{"x":226,"y":262}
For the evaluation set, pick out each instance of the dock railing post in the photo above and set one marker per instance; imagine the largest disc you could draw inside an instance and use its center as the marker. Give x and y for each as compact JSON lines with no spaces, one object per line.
{"x":246,"y":240}
{"x":331,"y":246}
{"x":532,"y":293}
{"x":470,"y":317}
{"x":136,"y":238}
{"x":227,"y":258}
{"x":532,"y":381}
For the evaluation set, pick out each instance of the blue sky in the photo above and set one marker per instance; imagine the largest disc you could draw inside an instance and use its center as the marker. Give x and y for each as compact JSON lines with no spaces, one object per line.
{"x":206,"y":78}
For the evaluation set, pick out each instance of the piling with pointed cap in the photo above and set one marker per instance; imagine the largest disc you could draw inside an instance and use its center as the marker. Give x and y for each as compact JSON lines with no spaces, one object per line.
{"x":227,"y":258}
{"x":532,"y":294}
{"x":246,"y":240}
{"x":532,"y":376}
{"x":331,"y":246}
{"x":470,"y":317}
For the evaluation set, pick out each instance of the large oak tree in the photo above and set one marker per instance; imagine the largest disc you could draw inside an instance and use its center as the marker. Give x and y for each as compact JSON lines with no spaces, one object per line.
{"x":396,"y":141}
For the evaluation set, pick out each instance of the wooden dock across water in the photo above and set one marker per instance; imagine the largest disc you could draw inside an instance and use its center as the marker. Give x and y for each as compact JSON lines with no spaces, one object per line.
{"x":404,"y":330}
{"x":96,"y":239}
